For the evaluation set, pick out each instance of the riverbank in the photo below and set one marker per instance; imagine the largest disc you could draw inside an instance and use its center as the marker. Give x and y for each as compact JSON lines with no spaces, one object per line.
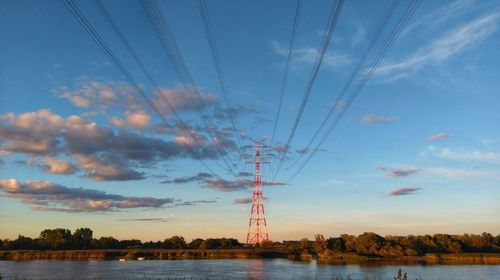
{"x":247,"y":253}
{"x":465,"y":258}
{"x":141,"y":254}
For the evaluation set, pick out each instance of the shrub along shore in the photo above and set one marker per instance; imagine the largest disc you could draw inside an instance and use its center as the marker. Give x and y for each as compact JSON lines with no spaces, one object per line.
{"x":244,"y":253}
{"x":62,"y":244}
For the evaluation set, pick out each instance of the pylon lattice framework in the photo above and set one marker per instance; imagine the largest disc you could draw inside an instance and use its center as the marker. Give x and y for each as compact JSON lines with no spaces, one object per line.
{"x":257,"y":226}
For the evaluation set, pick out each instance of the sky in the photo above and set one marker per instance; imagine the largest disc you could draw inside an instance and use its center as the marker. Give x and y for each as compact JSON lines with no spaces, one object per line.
{"x":416,"y":152}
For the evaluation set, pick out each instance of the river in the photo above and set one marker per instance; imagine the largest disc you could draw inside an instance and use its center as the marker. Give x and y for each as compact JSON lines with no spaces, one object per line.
{"x":234,"y":269}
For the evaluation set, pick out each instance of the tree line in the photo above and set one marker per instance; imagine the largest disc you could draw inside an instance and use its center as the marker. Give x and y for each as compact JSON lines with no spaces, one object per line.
{"x":367,"y":244}
{"x":372,"y":244}
{"x":82,"y":238}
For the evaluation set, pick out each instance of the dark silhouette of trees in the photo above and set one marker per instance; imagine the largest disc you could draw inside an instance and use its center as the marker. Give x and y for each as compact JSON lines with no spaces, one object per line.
{"x":367,"y":244}
{"x":82,"y":238}
{"x":58,"y":238}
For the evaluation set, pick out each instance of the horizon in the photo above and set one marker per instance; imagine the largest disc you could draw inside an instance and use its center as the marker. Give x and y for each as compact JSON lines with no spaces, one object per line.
{"x":418,"y":152}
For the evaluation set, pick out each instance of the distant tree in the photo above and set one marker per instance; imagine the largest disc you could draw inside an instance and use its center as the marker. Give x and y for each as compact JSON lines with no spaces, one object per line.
{"x":266,"y":244}
{"x":130,"y":243}
{"x":305,"y":244}
{"x":349,"y":242}
{"x":335,"y":244}
{"x":82,"y":238}
{"x":320,"y":243}
{"x":177,"y":242}
{"x":22,"y":243}
{"x":212,"y":243}
{"x":195,"y":243}
{"x":369,"y":243}
{"x":58,"y":238}
{"x":107,"y":243}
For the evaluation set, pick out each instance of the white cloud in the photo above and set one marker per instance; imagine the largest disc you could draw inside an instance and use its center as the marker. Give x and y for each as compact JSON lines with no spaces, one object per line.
{"x":459,"y":173}
{"x":462,"y":155}
{"x":438,"y":136}
{"x":359,"y":36}
{"x":137,"y":119}
{"x":446,"y":46}
{"x":334,"y":61}
{"x":369,"y":119}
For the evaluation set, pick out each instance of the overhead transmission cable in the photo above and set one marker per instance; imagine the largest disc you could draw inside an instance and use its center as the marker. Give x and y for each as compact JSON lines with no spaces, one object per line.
{"x":336,"y":104}
{"x":380,"y":56}
{"x":145,"y":71}
{"x":287,"y":66}
{"x":80,"y":17}
{"x":332,"y":22}
{"x":162,"y":30}
{"x":207,"y":26}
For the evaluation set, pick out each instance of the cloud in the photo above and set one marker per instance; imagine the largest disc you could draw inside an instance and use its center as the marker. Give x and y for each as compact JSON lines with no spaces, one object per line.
{"x":280,"y":148}
{"x":306,"y":150}
{"x":196,"y":178}
{"x":48,"y":196}
{"x":403,"y":191}
{"x":100,"y":151}
{"x":446,"y":46}
{"x":194,"y":202}
{"x":244,"y":174}
{"x":32,"y":132}
{"x":398,"y":172}
{"x":334,"y":61}
{"x":242,"y":201}
{"x":138,"y":119}
{"x":108,"y":168}
{"x":359,"y":35}
{"x":99,"y":97}
{"x":463,"y":155}
{"x":370,"y":119}
{"x":235,"y":185}
{"x":226,"y":185}
{"x":460,"y":173}
{"x":182,"y":100}
{"x":444,"y":13}
{"x":234,"y":111}
{"x":54,"y":166}
{"x":162,"y":220}
{"x":438,"y":136}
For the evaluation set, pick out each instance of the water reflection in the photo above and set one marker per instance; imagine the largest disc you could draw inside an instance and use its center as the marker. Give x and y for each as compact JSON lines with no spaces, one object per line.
{"x":236,"y":269}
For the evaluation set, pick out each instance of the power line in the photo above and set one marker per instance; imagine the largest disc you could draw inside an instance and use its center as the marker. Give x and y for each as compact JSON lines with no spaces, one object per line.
{"x":287,"y":66}
{"x":381,"y":27}
{"x":218,"y":65}
{"x":162,"y":30}
{"x":380,"y":56}
{"x":132,"y":52}
{"x":334,"y":16}
{"x":80,"y":17}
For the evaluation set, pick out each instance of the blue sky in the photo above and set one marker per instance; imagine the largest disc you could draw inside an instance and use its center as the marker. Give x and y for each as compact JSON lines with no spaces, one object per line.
{"x":417,"y":152}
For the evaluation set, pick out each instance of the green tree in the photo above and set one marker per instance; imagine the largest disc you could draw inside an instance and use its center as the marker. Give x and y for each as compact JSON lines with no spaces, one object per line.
{"x":58,"y":238}
{"x":82,"y":238}
{"x":320,"y":244}
{"x":195,"y":243}
{"x":107,"y":243}
{"x":177,"y":242}
{"x":369,"y":243}
{"x":349,"y":242}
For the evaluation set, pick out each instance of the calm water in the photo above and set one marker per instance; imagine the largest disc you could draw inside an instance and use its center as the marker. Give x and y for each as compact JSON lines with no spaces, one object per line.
{"x":233,"y":269}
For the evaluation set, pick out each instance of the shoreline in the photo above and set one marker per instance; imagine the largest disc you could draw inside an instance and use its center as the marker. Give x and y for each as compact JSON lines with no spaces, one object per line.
{"x":193,"y":254}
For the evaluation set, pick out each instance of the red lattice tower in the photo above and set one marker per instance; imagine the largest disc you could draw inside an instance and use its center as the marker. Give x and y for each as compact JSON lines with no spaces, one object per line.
{"x":257,"y":226}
